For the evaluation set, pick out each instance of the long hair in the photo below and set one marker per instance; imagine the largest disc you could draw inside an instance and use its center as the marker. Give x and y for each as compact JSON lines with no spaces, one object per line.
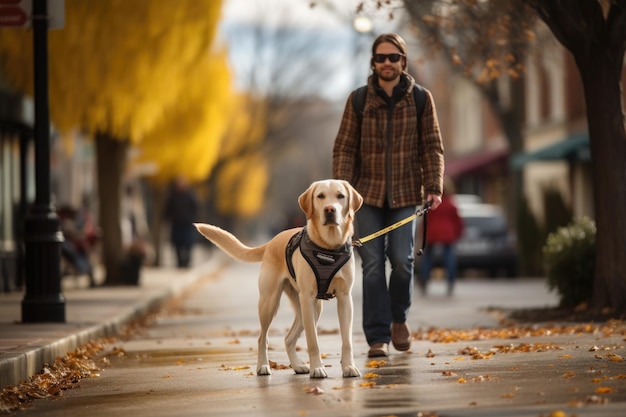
{"x":394,"y":39}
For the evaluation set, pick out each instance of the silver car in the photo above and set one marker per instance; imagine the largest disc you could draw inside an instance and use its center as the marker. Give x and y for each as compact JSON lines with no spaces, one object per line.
{"x":487,"y":244}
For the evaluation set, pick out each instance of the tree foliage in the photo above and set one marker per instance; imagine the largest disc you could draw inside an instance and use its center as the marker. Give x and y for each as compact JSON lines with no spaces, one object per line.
{"x":132,"y":73}
{"x":484,"y":39}
{"x":189,"y":138}
{"x":116,"y":66}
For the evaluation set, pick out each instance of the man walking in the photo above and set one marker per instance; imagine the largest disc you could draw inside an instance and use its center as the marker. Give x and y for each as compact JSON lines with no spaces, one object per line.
{"x":391,"y":151}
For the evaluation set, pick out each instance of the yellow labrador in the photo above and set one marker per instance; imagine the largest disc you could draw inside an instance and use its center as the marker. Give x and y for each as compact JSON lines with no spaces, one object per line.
{"x":329,"y":206}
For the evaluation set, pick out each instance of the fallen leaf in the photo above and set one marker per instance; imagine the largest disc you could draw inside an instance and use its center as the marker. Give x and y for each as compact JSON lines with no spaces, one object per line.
{"x":314,"y":390}
{"x":595,"y":399}
{"x":604,"y":390}
{"x":375,"y":363}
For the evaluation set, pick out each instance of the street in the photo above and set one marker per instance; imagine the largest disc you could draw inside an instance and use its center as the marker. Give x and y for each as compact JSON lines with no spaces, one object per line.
{"x":197,"y":357}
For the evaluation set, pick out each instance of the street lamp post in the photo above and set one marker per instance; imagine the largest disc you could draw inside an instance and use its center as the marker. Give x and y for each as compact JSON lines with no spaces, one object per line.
{"x":43,"y":300}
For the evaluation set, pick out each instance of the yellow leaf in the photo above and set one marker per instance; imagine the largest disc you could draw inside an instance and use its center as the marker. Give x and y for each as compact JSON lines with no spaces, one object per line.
{"x":375,"y":363}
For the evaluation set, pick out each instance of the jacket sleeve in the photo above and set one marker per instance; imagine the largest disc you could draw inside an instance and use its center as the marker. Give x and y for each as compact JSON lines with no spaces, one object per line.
{"x":346,"y":148}
{"x":431,"y":149}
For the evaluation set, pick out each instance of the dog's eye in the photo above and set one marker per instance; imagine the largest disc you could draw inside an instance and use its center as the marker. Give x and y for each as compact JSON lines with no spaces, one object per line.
{"x":340,"y":196}
{"x":321,"y":196}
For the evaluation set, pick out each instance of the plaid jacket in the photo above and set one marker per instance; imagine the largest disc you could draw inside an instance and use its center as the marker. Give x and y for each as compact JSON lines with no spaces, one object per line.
{"x":390,"y":159}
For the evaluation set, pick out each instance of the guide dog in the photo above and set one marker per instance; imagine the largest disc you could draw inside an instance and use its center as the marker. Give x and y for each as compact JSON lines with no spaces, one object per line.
{"x":330,"y":206}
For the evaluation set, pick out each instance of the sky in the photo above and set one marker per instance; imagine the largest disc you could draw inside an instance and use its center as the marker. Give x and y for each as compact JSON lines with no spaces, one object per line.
{"x":326,"y":30}
{"x":324,"y":14}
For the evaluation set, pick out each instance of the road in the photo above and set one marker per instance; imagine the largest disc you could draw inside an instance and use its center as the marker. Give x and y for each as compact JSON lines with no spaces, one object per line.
{"x":197,"y":357}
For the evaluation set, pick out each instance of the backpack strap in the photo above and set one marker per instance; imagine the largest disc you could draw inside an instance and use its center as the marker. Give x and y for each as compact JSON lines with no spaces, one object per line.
{"x":358,"y":102}
{"x":419,"y":94}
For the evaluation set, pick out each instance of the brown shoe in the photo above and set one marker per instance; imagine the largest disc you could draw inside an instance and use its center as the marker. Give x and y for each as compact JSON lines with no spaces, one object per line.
{"x":377,"y":350}
{"x":400,"y":336}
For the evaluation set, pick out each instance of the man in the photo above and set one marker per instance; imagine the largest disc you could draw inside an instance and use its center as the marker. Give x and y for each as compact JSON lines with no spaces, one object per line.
{"x":392,"y":159}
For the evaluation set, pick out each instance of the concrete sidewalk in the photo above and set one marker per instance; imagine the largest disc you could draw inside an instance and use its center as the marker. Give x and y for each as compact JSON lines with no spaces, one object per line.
{"x":90,"y":314}
{"x":564,"y":371}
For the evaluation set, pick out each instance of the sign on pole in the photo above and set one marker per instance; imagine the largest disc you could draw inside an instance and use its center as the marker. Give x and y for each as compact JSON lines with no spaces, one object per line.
{"x":18,"y":13}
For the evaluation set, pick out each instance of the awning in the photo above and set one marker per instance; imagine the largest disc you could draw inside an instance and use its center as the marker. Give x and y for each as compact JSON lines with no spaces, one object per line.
{"x":478,"y":163}
{"x":572,"y":148}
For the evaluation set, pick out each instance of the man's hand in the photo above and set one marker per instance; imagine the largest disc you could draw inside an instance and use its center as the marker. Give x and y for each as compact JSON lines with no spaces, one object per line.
{"x":435,"y":199}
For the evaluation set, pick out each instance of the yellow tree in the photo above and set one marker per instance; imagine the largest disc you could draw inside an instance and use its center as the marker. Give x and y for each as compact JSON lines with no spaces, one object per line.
{"x":188,"y":140}
{"x":116,"y":69}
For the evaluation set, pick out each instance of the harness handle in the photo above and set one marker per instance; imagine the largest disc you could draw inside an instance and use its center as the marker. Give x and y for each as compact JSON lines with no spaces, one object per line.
{"x":425,"y":210}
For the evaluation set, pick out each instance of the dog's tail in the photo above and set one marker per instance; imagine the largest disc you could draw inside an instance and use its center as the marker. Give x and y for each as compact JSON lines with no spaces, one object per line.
{"x":230,"y":244}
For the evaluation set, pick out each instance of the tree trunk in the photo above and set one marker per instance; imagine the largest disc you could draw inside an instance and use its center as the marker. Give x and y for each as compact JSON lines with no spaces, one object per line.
{"x":595,"y":37}
{"x":601,"y":75}
{"x":110,"y":161}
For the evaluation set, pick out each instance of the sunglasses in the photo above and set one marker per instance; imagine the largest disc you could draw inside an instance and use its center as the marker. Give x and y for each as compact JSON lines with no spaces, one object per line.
{"x":380,"y":58}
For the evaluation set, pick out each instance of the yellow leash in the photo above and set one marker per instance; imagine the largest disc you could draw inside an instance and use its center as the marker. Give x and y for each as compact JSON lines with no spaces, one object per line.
{"x":418,"y":213}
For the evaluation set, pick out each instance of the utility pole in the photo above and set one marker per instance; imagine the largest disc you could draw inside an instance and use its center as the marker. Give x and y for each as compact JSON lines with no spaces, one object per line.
{"x":43,"y":300}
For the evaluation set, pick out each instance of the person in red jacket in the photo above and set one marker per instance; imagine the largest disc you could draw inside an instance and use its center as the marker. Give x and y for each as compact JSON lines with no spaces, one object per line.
{"x":444,"y":228}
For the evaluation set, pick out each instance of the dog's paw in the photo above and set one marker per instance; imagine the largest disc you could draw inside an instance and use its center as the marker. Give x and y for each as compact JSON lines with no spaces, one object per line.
{"x":301,"y":368}
{"x":351,"y":372}
{"x":264,"y":370}
{"x":319,"y":373}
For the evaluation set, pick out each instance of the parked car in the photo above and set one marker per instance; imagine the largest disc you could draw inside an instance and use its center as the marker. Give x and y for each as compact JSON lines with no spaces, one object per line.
{"x":486,"y":244}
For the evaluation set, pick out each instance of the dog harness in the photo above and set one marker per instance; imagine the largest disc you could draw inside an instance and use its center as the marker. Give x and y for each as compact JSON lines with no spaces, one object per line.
{"x":324,"y":262}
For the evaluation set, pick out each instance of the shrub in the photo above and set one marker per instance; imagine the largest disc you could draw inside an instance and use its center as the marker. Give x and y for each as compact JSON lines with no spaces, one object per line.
{"x":569,"y":260}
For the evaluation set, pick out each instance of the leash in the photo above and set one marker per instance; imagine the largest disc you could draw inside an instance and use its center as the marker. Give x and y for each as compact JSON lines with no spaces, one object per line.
{"x":418,"y":213}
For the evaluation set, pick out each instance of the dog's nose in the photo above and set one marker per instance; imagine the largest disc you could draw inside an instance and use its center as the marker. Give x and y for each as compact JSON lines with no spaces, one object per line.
{"x":329,"y":209}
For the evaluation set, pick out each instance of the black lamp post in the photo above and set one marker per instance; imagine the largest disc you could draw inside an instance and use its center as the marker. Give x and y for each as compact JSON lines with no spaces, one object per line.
{"x":43,"y":300}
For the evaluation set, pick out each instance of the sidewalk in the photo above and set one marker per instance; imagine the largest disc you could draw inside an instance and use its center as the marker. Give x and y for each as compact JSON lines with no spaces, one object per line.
{"x":451,"y":368}
{"x":90,"y":314}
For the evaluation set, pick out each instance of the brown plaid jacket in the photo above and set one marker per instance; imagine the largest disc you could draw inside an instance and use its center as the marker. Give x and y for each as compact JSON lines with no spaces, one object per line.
{"x":390,"y":159}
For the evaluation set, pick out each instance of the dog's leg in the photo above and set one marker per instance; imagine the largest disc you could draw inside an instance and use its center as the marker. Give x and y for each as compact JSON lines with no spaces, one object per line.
{"x":311,"y":312}
{"x":299,"y":366}
{"x":345,"y":310}
{"x":269,"y":300}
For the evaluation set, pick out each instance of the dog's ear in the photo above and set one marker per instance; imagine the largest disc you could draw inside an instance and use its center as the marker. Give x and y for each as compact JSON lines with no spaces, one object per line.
{"x":306,"y":201}
{"x":356,"y":200}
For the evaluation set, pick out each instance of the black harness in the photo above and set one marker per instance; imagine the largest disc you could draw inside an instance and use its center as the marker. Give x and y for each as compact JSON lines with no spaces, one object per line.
{"x":324,"y":262}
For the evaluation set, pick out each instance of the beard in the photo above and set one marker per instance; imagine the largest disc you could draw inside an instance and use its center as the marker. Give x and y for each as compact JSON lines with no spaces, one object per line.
{"x":388,"y":74}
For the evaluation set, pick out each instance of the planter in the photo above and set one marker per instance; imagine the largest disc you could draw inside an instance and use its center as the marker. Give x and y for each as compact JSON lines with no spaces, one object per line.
{"x":130,"y":269}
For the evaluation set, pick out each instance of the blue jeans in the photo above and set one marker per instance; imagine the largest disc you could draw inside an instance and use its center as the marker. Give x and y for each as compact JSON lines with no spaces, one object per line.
{"x":449,"y":261}
{"x":382,"y":302}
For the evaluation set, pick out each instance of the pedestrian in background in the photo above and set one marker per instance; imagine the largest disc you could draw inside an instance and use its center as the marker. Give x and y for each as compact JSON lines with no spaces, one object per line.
{"x":392,"y":159}
{"x":181,"y":209}
{"x":444,"y":228}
